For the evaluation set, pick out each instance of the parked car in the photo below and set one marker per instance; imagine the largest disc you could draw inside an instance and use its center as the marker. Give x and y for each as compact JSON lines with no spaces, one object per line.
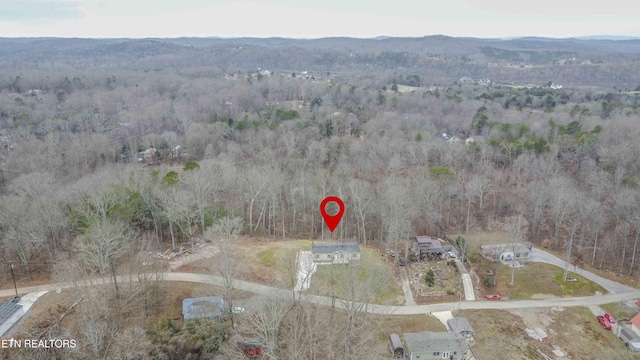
{"x":603,"y":321}
{"x":493,"y":297}
{"x":452,"y":255}
{"x":401,"y":262}
{"x":237,"y":309}
{"x":609,"y":318}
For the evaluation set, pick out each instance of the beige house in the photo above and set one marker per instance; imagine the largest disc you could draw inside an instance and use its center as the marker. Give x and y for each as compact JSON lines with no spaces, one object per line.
{"x":147,"y":155}
{"x":335,"y":253}
{"x":506,"y":252}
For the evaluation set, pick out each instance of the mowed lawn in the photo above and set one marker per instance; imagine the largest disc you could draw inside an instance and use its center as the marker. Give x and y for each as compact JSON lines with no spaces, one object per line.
{"x":371,"y":275}
{"x":539,"y":280}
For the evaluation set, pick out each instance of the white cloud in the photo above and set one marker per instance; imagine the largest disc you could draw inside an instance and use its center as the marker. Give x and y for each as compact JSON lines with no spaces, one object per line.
{"x":264,"y":19}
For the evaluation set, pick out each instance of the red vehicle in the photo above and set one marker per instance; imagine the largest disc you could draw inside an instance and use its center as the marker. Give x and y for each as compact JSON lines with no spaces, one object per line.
{"x":603,"y":321}
{"x":493,"y":297}
{"x":610,"y":318}
{"x":252,"y":347}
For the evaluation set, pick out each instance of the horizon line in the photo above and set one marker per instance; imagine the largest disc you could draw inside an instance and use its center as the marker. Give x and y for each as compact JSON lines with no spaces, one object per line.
{"x":376,"y":37}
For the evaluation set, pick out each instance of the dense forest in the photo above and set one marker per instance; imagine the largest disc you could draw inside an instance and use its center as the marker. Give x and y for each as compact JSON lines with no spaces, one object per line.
{"x":145,"y":145}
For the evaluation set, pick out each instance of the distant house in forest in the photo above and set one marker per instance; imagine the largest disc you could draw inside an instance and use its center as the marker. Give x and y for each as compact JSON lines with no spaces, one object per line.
{"x":335,"y":253}
{"x":474,"y":139}
{"x":147,"y":155}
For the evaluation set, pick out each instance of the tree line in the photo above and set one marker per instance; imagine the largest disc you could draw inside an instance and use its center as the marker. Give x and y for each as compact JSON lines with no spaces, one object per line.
{"x":269,"y":150}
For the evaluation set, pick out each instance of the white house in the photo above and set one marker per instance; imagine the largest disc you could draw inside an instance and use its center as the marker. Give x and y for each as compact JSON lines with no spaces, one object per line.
{"x":507,"y":252}
{"x":335,"y":253}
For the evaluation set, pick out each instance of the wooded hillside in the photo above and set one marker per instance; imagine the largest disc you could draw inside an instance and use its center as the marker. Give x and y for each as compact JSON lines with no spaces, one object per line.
{"x":111,"y":150}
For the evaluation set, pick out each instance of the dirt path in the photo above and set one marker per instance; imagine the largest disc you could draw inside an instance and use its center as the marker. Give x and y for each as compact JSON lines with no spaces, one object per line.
{"x":306,"y":268}
{"x":406,"y":289}
{"x":201,"y":252}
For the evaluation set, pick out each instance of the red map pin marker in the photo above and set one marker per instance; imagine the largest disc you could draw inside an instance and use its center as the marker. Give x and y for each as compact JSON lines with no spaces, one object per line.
{"x":332,"y":221}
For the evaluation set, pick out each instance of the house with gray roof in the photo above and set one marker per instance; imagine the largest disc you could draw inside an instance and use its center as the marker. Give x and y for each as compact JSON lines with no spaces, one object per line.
{"x":429,"y":345}
{"x":460,"y":326}
{"x":208,"y":307}
{"x":427,"y":245}
{"x":335,"y":253}
{"x":10,"y":313}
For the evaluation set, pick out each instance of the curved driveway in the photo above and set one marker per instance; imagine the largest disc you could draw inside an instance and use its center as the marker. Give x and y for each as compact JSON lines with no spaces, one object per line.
{"x":611,"y":286}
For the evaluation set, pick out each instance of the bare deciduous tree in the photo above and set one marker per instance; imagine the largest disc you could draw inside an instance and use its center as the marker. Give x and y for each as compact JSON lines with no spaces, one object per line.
{"x":224,"y":234}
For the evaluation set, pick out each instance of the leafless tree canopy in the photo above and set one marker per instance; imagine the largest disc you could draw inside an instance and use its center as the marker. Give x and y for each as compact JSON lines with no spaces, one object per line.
{"x":111,"y":150}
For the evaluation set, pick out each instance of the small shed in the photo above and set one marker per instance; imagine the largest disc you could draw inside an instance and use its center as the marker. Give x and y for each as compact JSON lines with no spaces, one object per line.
{"x":203,"y":308}
{"x":335,"y":253}
{"x":395,"y":346}
{"x":460,"y":326}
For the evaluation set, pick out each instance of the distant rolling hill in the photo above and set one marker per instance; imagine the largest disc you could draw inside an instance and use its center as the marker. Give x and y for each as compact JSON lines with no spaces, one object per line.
{"x":523,"y":59}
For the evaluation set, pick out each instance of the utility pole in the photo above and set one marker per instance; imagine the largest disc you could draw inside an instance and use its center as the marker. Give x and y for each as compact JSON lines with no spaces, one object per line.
{"x":14,"y":280}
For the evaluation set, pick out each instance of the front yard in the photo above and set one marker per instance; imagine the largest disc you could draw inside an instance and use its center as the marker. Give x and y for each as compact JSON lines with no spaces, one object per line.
{"x":370,"y":276}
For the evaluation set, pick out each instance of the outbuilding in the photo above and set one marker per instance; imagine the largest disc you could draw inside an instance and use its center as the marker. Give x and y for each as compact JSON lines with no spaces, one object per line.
{"x":395,"y":346}
{"x":460,"y":326}
{"x":208,"y":307}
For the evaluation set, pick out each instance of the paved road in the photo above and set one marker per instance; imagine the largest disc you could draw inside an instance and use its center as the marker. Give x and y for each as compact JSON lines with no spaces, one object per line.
{"x":372,"y":308}
{"x":538,"y":255}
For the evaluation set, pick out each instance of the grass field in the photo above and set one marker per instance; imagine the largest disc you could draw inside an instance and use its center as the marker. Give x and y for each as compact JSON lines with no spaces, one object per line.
{"x":371,"y":274}
{"x":485,"y":238}
{"x":538,"y":280}
{"x":622,"y":310}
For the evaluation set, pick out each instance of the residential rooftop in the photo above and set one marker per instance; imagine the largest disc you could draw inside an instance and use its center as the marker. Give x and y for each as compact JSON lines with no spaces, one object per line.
{"x":428,"y":341}
{"x":202,"y":307}
{"x":328,"y":248}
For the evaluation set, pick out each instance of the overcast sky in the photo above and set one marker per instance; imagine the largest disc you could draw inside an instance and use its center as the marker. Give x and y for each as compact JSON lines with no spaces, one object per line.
{"x":319,"y":18}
